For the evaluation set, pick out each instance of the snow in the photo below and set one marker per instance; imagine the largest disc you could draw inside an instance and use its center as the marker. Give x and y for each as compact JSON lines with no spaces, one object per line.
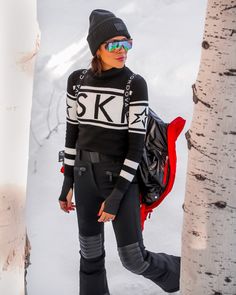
{"x":167,"y":46}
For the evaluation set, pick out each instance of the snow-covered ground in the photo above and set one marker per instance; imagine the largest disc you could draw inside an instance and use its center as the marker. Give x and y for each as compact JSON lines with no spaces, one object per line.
{"x":167,"y":45}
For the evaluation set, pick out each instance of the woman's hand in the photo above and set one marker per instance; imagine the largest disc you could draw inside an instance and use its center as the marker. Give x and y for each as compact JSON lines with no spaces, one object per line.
{"x":105,"y":216}
{"x":67,"y":205}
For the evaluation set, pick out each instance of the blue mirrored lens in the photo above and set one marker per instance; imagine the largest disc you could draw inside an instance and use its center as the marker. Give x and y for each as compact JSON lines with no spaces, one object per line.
{"x":127,"y":44}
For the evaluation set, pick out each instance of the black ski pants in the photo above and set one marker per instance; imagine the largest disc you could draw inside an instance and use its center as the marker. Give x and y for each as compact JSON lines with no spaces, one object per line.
{"x":95,"y":175}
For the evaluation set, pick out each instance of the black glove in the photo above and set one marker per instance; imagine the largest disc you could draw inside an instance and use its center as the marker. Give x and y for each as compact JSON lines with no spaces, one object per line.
{"x":112,"y":203}
{"x":67,"y":185}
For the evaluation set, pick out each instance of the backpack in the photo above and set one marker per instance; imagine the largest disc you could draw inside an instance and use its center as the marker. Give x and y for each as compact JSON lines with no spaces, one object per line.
{"x":156,"y":171}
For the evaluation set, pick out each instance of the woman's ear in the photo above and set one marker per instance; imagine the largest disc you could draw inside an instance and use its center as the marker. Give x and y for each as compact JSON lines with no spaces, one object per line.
{"x":98,"y":53}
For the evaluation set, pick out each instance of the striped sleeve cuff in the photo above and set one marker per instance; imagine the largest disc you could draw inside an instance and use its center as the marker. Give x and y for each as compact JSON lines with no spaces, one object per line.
{"x":127,"y":174}
{"x":69,"y":161}
{"x":129,"y":169}
{"x":70,"y":154}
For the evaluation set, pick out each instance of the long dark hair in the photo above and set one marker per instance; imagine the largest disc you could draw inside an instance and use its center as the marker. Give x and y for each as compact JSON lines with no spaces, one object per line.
{"x":96,"y":65}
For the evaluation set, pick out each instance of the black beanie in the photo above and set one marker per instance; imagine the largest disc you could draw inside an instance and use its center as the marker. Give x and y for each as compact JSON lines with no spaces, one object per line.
{"x":104,"y":25}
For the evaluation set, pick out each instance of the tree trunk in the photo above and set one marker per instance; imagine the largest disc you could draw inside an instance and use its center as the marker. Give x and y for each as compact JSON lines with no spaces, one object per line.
{"x":209,"y":229}
{"x":19,"y":40}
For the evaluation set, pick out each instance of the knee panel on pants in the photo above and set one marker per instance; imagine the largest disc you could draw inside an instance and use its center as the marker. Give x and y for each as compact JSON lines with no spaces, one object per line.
{"x":132,"y":258}
{"x":91,"y":246}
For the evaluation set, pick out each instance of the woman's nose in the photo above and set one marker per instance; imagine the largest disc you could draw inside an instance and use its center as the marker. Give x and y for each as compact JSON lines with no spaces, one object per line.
{"x":122,"y":50}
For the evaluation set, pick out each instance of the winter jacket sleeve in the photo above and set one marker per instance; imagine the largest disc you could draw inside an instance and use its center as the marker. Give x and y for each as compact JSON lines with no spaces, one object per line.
{"x":138,"y":112}
{"x":70,"y":138}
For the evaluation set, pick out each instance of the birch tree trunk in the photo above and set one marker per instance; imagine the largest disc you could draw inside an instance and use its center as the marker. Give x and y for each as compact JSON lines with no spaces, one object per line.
{"x":19,"y":43}
{"x":209,"y":229}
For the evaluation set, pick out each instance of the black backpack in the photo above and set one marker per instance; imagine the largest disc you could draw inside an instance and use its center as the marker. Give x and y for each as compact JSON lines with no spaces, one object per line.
{"x":156,"y":171}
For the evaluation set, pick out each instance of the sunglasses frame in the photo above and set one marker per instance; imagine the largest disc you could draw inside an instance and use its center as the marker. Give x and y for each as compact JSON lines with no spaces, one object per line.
{"x":130,"y":41}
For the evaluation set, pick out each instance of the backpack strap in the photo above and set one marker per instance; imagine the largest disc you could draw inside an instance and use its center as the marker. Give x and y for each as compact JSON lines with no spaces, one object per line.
{"x":127,"y":96}
{"x":79,"y":82}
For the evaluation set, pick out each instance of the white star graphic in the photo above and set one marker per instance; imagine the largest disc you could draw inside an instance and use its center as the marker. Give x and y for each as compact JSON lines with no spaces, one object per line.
{"x":142,"y":117}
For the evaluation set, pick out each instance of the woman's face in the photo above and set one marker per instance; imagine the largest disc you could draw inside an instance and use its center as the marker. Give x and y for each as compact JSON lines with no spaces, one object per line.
{"x":114,"y":59}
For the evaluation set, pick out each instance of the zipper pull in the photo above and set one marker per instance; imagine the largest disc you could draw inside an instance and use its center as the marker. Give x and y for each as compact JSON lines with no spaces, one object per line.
{"x":81,"y":170}
{"x":109,"y":173}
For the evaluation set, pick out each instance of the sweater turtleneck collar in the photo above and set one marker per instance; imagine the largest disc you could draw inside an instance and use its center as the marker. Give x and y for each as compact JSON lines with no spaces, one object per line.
{"x":108,"y":73}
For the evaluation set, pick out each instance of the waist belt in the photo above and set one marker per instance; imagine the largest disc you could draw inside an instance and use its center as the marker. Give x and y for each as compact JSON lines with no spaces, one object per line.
{"x":96,"y":157}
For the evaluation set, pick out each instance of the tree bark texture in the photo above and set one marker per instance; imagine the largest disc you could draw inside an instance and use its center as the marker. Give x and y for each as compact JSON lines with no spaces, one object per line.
{"x":19,"y":41}
{"x":209,"y":228}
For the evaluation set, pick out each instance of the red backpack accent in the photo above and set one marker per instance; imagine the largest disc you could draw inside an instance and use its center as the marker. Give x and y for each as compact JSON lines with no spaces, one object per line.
{"x":62,"y":169}
{"x":173,"y":131}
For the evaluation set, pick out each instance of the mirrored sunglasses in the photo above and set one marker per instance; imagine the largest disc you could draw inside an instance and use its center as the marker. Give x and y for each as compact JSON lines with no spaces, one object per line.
{"x":118,"y":44}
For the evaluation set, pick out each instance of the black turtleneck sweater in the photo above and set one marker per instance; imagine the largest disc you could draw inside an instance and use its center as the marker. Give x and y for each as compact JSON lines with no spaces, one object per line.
{"x":96,"y":121}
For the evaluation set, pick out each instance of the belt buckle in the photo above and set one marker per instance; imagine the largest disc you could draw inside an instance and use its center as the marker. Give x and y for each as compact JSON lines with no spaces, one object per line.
{"x":94,"y":156}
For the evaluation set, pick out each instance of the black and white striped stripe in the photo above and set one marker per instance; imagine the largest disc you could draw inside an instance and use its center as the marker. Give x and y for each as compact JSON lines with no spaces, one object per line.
{"x":70,"y":154}
{"x":129,"y":169}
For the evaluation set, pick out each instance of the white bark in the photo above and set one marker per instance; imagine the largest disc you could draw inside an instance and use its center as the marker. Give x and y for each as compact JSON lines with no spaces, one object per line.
{"x":209,"y":229}
{"x":19,"y":39}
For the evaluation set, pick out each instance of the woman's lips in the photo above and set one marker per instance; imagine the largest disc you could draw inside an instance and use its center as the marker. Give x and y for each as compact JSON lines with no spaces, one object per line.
{"x":122,"y":58}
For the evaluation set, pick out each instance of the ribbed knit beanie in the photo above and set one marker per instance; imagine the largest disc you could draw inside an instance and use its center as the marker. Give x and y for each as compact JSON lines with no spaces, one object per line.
{"x":104,"y":25}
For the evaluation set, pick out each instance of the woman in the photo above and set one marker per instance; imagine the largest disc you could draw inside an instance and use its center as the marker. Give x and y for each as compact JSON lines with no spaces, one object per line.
{"x":102,"y":154}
